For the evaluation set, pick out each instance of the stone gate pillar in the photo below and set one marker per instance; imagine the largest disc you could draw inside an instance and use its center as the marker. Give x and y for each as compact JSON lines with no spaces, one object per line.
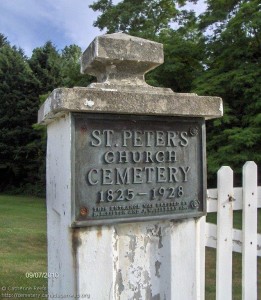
{"x":126,"y":180}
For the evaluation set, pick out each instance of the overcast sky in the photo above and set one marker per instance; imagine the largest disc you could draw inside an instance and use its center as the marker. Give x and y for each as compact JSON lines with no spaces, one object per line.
{"x":30,"y":23}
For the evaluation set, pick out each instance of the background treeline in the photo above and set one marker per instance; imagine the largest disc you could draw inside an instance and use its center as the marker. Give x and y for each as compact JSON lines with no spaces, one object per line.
{"x":217,"y":53}
{"x":24,"y":85}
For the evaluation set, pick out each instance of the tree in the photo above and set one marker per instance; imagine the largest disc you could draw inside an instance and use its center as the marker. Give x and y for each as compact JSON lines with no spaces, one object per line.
{"x":143,"y":18}
{"x":183,"y":55}
{"x":18,"y":111}
{"x":3,"y":40}
{"x":232,"y":60}
{"x":46,"y":66}
{"x":70,"y":68}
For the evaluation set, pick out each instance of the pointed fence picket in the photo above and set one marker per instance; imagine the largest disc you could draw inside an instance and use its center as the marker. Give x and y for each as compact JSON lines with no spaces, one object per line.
{"x":226,"y":239}
{"x":224,"y":234}
{"x":249,"y":231}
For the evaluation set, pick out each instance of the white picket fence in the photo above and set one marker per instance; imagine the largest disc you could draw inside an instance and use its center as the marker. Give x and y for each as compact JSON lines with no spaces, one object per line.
{"x":225,"y":239}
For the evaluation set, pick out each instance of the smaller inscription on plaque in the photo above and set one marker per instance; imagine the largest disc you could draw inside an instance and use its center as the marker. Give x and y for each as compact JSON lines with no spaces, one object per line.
{"x":130,"y":168}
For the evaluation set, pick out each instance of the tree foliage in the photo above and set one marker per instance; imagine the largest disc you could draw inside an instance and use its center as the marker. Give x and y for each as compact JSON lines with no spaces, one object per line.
{"x":24,"y":85}
{"x":18,"y":111}
{"x":146,"y":18}
{"x":45,"y":64}
{"x":183,"y":55}
{"x":232,"y":59}
{"x":70,"y":68}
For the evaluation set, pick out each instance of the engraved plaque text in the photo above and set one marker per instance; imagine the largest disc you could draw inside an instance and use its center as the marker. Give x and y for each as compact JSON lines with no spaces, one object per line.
{"x":130,"y":168}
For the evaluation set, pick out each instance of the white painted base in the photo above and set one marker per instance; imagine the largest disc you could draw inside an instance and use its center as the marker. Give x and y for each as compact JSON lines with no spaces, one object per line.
{"x":152,"y":260}
{"x":156,"y":260}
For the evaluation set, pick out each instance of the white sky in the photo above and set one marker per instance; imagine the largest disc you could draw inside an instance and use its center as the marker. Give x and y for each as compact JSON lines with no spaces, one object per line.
{"x":30,"y":23}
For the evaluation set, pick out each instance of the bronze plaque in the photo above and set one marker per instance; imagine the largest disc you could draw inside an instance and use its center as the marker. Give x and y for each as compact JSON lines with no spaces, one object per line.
{"x":137,"y":168}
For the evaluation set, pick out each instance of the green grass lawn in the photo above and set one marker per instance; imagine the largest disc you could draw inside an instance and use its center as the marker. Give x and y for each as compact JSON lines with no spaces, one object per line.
{"x":23,"y":249}
{"x":22,"y":245}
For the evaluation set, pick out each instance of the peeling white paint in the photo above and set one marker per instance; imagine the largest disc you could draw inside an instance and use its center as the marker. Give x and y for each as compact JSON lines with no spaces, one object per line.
{"x":89,"y":103}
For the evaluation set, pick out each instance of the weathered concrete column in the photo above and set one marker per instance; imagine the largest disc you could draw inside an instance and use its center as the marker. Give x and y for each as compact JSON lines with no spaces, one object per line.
{"x":126,"y":180}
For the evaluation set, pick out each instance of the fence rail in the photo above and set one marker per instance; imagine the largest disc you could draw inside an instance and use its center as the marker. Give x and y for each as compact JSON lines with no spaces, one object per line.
{"x":224,"y":200}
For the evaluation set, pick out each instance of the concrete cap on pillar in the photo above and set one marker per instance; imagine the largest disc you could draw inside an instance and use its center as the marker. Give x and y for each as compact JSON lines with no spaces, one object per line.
{"x":121,"y":59}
